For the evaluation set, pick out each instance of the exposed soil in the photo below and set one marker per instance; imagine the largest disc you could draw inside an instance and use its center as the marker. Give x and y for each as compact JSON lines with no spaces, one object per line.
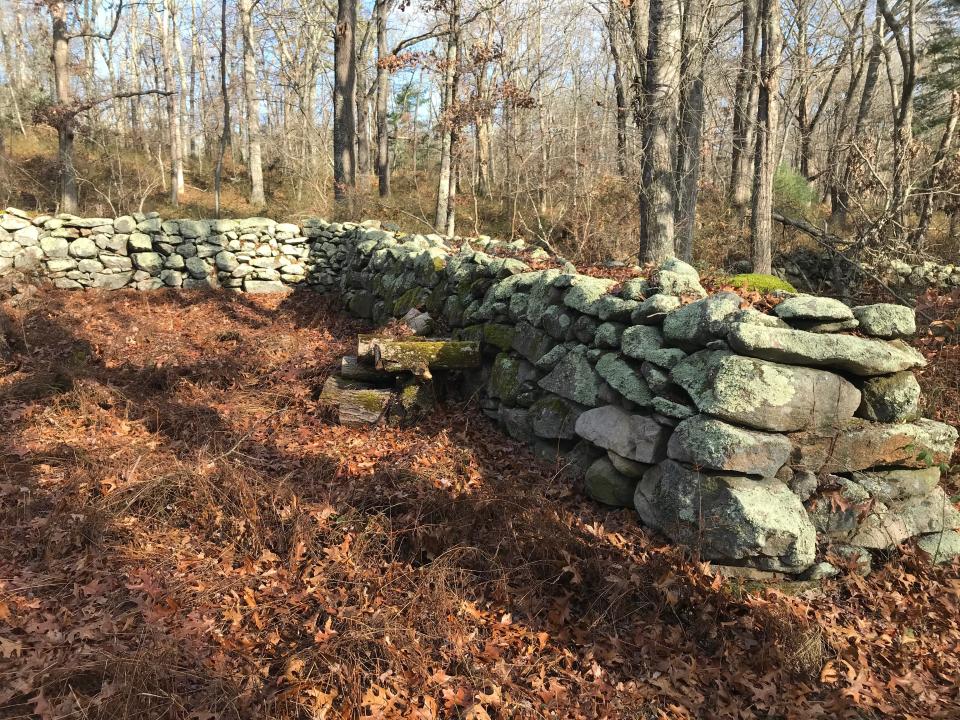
{"x":184,"y":535}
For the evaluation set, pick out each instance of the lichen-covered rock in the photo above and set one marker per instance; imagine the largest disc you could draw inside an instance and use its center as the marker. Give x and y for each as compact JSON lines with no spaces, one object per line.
{"x":894,"y":484}
{"x":554,"y":418}
{"x":811,"y":307}
{"x":942,"y":547}
{"x":859,"y":356}
{"x":859,"y":445}
{"x":885,"y":320}
{"x":606,"y":485}
{"x":634,"y":437}
{"x":888,"y":526}
{"x":574,"y":378}
{"x":639,"y":341}
{"x":728,"y":518}
{"x":709,"y":443}
{"x":532,"y":343}
{"x":765,"y":395}
{"x":675,"y":277}
{"x":670,"y":409}
{"x":624,"y":377}
{"x":654,"y":309}
{"x":509,"y":377}
{"x":585,"y":293}
{"x":150,"y":262}
{"x":694,"y":325}
{"x":890,"y":398}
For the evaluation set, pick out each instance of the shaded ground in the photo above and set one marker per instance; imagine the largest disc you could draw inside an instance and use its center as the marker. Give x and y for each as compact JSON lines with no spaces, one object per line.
{"x":182,"y":535}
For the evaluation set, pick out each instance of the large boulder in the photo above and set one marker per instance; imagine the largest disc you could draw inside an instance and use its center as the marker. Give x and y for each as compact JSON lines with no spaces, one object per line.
{"x":890,"y":398}
{"x":694,"y":325}
{"x":606,"y":485}
{"x":856,"y":355}
{"x":765,"y":395}
{"x":728,"y":518}
{"x":712,"y":444}
{"x":634,"y":437}
{"x":859,"y":445}
{"x":886,"y":320}
{"x":585,"y":293}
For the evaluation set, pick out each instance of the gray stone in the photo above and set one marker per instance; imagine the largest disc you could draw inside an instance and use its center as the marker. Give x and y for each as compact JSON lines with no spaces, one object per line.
{"x":516,"y":421}
{"x":674,"y":411}
{"x":532,"y":343}
{"x":509,"y":377}
{"x":941,"y":547}
{"x":639,"y":341}
{"x":837,"y":514}
{"x":895,"y":484}
{"x":27,"y":236}
{"x":694,"y":325}
{"x":124,"y":224}
{"x":172,"y":278}
{"x":186,"y":250}
{"x":66,"y":284}
{"x":149,"y":225}
{"x":174,"y":262}
{"x":90,"y":265}
{"x":114,"y":281}
{"x":626,"y":466}
{"x":586,"y":293}
{"x":61,"y":264}
{"x":765,"y":395}
{"x":554,"y":418}
{"x":607,"y":335}
{"x":29,"y":259}
{"x":886,"y":320}
{"x":804,"y":484}
{"x":728,"y":518}
{"x":859,"y":356}
{"x":624,"y":377}
{"x":890,"y":398}
{"x":197,"y":268}
{"x":654,"y":309}
{"x":666,"y":357}
{"x":888,"y":526}
{"x":636,"y":289}
{"x":752,"y":316}
{"x":709,"y":443}
{"x":815,"y":326}
{"x":54,"y":247}
{"x":606,"y":485}
{"x":635,"y":437}
{"x":616,"y":309}
{"x":811,"y":307}
{"x":83,"y":248}
{"x":138,"y":242}
{"x":574,"y":378}
{"x":263,"y":286}
{"x":675,"y":277}
{"x":150,"y":262}
{"x":193,"y":228}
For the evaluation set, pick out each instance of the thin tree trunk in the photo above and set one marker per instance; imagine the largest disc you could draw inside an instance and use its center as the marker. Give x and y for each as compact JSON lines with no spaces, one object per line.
{"x":619,"y":87}
{"x":251,"y":104}
{"x":344,"y":99}
{"x":60,"y":54}
{"x":173,"y":108}
{"x":657,"y":194}
{"x":744,"y":109}
{"x":445,"y":187}
{"x":690,"y":131}
{"x":225,"y":99}
{"x":933,"y":179}
{"x":768,"y":115}
{"x":382,"y":12}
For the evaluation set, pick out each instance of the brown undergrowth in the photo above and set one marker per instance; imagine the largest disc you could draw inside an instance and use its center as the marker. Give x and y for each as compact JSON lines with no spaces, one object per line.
{"x":184,"y":535}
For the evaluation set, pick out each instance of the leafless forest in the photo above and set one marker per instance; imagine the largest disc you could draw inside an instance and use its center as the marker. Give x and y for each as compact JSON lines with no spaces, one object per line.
{"x":715,"y":130}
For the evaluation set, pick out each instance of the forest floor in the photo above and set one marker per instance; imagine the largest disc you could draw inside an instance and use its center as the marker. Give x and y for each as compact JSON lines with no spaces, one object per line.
{"x":183,"y":534}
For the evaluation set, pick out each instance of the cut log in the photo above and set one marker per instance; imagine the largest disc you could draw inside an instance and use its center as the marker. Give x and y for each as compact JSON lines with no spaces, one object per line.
{"x":418,"y":357}
{"x":352,"y":369}
{"x":358,"y":403}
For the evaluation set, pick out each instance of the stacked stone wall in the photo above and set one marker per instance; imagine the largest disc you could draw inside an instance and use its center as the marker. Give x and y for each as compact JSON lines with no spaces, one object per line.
{"x":773,"y":441}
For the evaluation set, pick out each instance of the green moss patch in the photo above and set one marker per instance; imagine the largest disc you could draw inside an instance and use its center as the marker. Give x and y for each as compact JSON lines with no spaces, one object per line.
{"x":760,"y":282}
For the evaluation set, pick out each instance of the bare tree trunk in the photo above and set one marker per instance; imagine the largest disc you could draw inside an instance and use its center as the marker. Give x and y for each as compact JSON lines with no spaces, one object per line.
{"x":933,"y":179}
{"x":744,"y":109}
{"x":251,"y":104}
{"x":657,"y":194}
{"x":445,"y":187}
{"x":382,"y":12}
{"x":60,"y":54}
{"x":619,"y":86}
{"x":363,"y":128}
{"x":344,"y":99}
{"x":225,"y":99}
{"x":690,"y":131}
{"x":768,"y":115}
{"x":173,"y":108}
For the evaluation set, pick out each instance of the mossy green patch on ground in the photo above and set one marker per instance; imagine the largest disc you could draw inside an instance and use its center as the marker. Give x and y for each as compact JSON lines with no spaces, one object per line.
{"x":760,"y":282}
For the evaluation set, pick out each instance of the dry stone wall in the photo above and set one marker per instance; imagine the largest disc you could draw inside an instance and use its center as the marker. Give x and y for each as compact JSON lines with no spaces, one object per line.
{"x":778,"y":442}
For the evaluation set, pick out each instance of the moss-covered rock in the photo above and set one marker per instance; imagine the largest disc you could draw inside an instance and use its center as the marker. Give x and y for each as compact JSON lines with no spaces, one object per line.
{"x":760,"y":282}
{"x":574,"y":378}
{"x":606,"y":485}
